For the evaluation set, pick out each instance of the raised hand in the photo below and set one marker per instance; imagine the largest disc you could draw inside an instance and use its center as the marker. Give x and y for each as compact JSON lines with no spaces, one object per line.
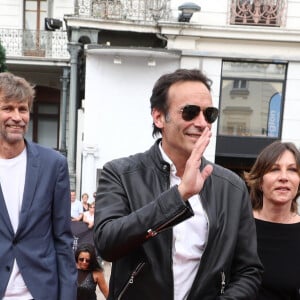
{"x":192,"y":179}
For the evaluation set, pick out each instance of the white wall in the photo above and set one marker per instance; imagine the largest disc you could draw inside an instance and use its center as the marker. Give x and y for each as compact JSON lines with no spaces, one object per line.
{"x":11,"y":14}
{"x":293,"y":14}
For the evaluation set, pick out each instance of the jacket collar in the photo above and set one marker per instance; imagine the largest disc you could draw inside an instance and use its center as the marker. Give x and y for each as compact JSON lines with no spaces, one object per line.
{"x":157,"y":158}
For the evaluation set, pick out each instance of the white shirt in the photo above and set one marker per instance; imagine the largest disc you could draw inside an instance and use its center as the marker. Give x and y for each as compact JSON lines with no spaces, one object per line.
{"x":12,"y":179}
{"x":76,"y":208}
{"x":189,"y":240}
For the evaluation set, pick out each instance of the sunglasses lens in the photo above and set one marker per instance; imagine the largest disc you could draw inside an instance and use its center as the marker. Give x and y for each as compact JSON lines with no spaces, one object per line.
{"x":84,"y":259}
{"x":189,"y":112}
{"x":211,"y":114}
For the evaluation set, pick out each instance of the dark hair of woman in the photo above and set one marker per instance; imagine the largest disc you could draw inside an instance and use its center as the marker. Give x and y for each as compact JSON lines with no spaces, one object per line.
{"x":85,"y":247}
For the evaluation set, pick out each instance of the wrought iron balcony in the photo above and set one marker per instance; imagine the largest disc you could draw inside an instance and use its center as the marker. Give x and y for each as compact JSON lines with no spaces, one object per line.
{"x":125,"y":10}
{"x":47,"y":44}
{"x":258,"y":12}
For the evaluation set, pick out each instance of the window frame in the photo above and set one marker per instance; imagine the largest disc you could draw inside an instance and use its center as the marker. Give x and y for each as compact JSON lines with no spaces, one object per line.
{"x":244,"y":145}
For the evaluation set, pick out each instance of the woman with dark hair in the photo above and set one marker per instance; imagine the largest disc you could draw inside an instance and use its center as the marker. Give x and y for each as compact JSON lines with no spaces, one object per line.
{"x":274,"y":182}
{"x":89,"y":273}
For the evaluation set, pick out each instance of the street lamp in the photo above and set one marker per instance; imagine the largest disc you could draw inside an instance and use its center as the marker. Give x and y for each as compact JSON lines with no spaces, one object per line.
{"x":52,"y":24}
{"x":187,"y":9}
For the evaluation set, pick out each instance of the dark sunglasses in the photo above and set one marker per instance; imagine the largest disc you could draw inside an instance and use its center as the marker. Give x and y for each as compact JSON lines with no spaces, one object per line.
{"x":189,"y":112}
{"x":81,"y":259}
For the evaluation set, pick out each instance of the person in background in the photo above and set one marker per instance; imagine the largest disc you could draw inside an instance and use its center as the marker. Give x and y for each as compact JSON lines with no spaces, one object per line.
{"x":274,"y":187}
{"x":88,"y":216}
{"x":175,"y":225}
{"x":84,"y":201}
{"x":76,"y":208}
{"x":36,"y":255}
{"x":90,"y":273}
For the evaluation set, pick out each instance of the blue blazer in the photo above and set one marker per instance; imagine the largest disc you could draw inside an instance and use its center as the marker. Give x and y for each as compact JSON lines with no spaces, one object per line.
{"x":42,"y":244}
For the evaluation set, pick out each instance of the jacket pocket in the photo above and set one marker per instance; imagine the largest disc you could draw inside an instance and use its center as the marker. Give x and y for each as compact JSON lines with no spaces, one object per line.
{"x":131,"y":279}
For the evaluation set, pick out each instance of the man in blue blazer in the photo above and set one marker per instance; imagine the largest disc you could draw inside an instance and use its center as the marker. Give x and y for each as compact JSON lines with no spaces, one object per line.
{"x":36,"y":256}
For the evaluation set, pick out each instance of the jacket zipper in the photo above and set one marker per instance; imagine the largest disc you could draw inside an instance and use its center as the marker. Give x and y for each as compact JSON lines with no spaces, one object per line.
{"x":131,"y":279}
{"x":151,"y":232}
{"x":223,"y":282}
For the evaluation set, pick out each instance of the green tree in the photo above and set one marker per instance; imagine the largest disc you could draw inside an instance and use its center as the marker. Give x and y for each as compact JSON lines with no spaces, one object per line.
{"x":3,"y":66}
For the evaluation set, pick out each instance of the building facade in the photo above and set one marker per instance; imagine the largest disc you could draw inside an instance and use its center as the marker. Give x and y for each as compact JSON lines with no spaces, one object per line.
{"x":118,"y":48}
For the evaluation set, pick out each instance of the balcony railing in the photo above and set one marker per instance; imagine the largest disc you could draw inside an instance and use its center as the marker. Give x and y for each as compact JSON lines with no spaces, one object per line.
{"x":130,"y":10}
{"x":258,"y":12}
{"x":47,"y":44}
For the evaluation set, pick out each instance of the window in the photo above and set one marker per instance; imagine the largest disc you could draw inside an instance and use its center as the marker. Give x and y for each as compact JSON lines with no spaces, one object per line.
{"x":251,"y":101}
{"x":239,"y":84}
{"x":35,"y":12}
{"x":258,"y":12}
{"x":239,"y":87}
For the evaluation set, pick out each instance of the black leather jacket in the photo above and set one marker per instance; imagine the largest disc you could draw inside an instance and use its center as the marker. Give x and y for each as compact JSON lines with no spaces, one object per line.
{"x":135,"y":212}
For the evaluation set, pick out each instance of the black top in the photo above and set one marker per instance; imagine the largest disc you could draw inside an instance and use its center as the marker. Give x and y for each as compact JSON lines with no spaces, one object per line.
{"x":279,"y":251}
{"x":86,"y":289}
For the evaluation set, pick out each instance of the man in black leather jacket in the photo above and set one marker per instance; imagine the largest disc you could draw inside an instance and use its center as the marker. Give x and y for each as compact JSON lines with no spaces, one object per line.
{"x":174,"y":225}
